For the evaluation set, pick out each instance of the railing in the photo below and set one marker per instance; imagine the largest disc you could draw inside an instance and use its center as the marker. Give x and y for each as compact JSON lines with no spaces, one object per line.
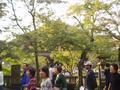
{"x":71,"y":82}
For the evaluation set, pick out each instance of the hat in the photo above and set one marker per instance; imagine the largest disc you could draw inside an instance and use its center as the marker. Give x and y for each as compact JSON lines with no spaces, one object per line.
{"x":88,"y":63}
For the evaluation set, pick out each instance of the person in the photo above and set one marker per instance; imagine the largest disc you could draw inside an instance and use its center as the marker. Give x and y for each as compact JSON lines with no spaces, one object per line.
{"x":46,"y":82}
{"x":115,"y":78}
{"x":32,"y":85}
{"x":25,"y":78}
{"x":60,"y":82}
{"x":90,"y":80}
{"x":54,"y":76}
{"x":1,"y":80}
{"x":107,"y":76}
{"x":51,"y":72}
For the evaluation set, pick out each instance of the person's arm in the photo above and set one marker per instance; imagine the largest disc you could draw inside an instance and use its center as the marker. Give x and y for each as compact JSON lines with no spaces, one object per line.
{"x":49,"y":85}
{"x":57,"y":83}
{"x":109,"y":88}
{"x":84,"y":82}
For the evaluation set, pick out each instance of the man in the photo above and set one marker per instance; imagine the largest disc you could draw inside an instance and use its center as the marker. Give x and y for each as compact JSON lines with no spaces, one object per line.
{"x":115,"y":78}
{"x":60,"y":82}
{"x":51,"y":72}
{"x":90,"y":79}
{"x":25,"y":78}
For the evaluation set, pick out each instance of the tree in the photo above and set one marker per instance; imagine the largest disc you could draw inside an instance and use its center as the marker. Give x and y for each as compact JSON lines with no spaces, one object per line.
{"x":110,"y":22}
{"x":32,"y":6}
{"x":87,"y":23}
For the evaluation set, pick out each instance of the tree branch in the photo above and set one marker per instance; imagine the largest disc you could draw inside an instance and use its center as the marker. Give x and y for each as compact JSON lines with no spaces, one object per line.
{"x":112,"y":34}
{"x":79,"y":22}
{"x":26,"y":5}
{"x":14,"y":13}
{"x":114,"y":21}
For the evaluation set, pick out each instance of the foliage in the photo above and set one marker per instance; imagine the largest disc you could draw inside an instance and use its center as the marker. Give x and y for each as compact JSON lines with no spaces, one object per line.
{"x":68,"y":58}
{"x":89,"y":19}
{"x":64,"y":42}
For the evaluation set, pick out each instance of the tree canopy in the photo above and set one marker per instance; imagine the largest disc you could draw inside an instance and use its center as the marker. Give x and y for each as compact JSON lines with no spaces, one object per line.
{"x":47,"y":33}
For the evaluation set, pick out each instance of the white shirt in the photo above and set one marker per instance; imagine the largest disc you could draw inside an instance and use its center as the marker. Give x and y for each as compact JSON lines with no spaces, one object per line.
{"x":46,"y":84}
{"x":51,"y":73}
{"x":1,"y":78}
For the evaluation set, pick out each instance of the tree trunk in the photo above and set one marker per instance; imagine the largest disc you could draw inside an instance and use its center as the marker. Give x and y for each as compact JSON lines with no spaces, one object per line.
{"x":36,"y":61}
{"x":80,"y":75}
{"x":81,"y":65}
{"x":35,"y":43}
{"x":100,"y":78}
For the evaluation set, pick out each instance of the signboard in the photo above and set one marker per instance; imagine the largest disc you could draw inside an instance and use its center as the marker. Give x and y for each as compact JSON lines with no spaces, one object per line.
{"x":15,"y":75}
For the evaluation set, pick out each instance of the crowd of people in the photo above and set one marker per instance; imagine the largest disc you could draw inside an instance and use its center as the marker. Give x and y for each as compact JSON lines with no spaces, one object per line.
{"x":52,"y":78}
{"x":112,"y":78}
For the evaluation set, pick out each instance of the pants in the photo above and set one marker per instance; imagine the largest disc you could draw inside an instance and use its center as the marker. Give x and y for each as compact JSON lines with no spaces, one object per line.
{"x":90,"y":89}
{"x":1,"y":87}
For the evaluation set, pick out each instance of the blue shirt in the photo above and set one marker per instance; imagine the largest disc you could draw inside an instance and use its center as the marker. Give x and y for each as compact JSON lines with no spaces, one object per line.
{"x":91,"y":80}
{"x":25,"y":79}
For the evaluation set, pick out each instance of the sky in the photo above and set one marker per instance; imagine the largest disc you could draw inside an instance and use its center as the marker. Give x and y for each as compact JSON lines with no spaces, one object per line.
{"x":60,"y":11}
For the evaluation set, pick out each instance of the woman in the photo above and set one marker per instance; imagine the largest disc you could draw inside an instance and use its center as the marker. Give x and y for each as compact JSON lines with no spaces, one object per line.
{"x":32,"y":85}
{"x":46,"y":82}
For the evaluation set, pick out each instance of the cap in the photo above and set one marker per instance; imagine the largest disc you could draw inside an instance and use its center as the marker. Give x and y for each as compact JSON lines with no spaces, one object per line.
{"x":88,"y":63}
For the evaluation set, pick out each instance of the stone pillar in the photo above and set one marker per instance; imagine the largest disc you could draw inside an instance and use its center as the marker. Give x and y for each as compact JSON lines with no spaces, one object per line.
{"x":15,"y":77}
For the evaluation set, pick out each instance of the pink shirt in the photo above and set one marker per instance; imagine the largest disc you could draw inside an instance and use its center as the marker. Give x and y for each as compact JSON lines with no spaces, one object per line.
{"x":32,"y":84}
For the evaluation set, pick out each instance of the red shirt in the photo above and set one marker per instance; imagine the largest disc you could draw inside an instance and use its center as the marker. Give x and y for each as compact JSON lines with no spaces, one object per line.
{"x":32,"y":84}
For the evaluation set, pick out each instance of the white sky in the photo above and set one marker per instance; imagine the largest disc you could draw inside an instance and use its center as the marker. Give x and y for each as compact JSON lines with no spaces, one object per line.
{"x":60,"y":10}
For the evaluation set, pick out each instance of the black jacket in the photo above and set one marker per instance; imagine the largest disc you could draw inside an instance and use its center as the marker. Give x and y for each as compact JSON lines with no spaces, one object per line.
{"x":115,"y":81}
{"x":60,"y":81}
